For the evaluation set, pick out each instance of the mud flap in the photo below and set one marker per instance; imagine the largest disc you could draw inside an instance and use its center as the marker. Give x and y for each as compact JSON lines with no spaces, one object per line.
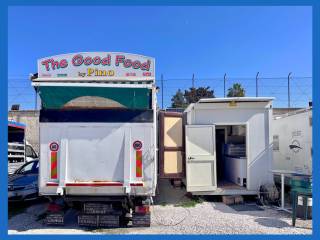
{"x":86,"y":220}
{"x":141,"y":220}
{"x":55,"y":218}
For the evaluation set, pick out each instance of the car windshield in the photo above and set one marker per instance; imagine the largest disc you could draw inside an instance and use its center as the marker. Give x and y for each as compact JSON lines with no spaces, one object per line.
{"x":31,"y":167}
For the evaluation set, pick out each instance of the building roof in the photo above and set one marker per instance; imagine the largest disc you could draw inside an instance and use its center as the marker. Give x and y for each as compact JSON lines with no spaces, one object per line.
{"x":229,"y":100}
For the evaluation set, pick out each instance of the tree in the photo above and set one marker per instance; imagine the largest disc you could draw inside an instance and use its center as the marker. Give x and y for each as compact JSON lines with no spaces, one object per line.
{"x":236,"y":91}
{"x":178,"y":100}
{"x":195,"y":94}
{"x":182,"y":100}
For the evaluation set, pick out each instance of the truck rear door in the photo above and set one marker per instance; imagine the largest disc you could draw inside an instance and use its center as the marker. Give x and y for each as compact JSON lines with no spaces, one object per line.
{"x":95,"y":154}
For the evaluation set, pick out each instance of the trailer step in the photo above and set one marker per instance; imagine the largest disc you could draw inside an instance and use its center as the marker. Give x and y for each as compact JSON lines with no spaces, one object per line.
{"x":86,"y":220}
{"x":141,"y":220}
{"x":55,"y":219}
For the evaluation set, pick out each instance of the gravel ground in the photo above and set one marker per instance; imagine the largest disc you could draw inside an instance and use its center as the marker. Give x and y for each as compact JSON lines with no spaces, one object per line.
{"x":204,"y":218}
{"x":207,"y":217}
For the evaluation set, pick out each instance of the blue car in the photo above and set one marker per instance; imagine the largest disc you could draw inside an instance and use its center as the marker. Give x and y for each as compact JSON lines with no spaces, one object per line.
{"x":23,"y":184}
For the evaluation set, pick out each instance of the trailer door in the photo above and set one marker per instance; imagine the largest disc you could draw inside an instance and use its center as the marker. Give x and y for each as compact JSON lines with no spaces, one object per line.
{"x":200,"y":158}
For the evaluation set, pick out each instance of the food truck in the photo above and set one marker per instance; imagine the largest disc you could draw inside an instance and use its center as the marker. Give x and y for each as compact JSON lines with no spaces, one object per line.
{"x":98,"y":136}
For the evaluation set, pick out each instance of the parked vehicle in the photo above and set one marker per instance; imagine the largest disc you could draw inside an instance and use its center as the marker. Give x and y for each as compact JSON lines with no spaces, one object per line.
{"x":98,"y":136}
{"x":19,"y":151}
{"x":23,"y":183}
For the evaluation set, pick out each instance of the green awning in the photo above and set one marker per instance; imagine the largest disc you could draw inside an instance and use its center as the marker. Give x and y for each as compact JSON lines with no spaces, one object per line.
{"x":54,"y":97}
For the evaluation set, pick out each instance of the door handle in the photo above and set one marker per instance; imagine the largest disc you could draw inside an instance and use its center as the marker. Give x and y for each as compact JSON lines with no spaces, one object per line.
{"x":189,"y":158}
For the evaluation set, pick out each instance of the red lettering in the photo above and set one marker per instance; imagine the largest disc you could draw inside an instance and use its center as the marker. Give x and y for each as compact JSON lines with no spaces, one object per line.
{"x":96,"y":60}
{"x":106,"y":61}
{"x":127,"y":63}
{"x":119,"y":59}
{"x":63,"y":63}
{"x":136,"y":64}
{"x":146,"y":65}
{"x":54,"y":64}
{"x":87,"y":61}
{"x":77,"y":60}
{"x":46,"y":63}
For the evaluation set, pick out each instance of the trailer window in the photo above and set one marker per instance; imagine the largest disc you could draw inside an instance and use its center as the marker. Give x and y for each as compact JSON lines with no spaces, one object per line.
{"x":276,"y":146}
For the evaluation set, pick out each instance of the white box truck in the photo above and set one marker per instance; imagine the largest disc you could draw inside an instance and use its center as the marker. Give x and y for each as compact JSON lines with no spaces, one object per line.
{"x":98,"y":136}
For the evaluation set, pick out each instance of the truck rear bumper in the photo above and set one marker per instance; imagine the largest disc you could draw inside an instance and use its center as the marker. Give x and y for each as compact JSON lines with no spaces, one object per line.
{"x":98,"y":189}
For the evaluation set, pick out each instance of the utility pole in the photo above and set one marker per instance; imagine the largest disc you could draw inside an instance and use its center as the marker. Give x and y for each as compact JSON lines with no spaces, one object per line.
{"x":193,"y":80}
{"x":224,"y":84}
{"x":257,"y":84}
{"x":289,"y":76}
{"x":162,"y":91}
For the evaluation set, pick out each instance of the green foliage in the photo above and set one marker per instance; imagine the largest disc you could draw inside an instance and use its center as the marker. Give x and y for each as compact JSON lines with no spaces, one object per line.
{"x":192,"y":95}
{"x":195,"y":94}
{"x":236,"y":91}
{"x":190,"y":202}
{"x":178,"y":100}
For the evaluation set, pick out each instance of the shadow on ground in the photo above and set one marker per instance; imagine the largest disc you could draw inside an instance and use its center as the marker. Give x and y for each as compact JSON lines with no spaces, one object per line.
{"x":272,"y":222}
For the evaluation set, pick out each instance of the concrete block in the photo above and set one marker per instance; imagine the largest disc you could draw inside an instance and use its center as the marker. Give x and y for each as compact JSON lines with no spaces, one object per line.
{"x":238,"y":199}
{"x":228,"y":200}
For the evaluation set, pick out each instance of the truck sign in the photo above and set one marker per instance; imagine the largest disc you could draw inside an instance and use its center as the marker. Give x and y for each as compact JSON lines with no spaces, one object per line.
{"x":111,"y":65}
{"x":54,"y":147}
{"x":137,"y":145}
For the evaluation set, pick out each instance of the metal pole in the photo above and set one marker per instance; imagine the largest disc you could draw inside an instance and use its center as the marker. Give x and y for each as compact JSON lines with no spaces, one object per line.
{"x":289,"y":75}
{"x":282,"y":190}
{"x":36,"y":100}
{"x":162,"y":91}
{"x":224,"y":84}
{"x":257,"y":84}
{"x":193,"y":80}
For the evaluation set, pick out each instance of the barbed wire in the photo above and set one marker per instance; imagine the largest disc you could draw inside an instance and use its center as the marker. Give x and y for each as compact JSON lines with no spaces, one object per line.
{"x":21,"y":92}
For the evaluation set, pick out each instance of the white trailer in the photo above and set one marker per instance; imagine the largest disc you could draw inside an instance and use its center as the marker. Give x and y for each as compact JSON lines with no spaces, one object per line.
{"x":98,"y":135}
{"x":228,"y":146}
{"x":292,"y":141}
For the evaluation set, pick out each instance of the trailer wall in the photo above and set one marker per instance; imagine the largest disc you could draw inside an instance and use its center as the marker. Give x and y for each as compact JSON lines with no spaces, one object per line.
{"x":292,"y":135}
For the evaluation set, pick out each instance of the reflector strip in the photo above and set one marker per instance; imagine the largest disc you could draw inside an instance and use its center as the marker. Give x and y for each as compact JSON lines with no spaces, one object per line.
{"x":136,"y":184}
{"x":105,"y":184}
{"x":54,"y":165}
{"x":52,"y":184}
{"x":139,"y":163}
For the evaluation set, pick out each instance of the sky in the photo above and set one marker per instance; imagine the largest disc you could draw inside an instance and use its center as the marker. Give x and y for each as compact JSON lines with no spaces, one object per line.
{"x":205,"y":41}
